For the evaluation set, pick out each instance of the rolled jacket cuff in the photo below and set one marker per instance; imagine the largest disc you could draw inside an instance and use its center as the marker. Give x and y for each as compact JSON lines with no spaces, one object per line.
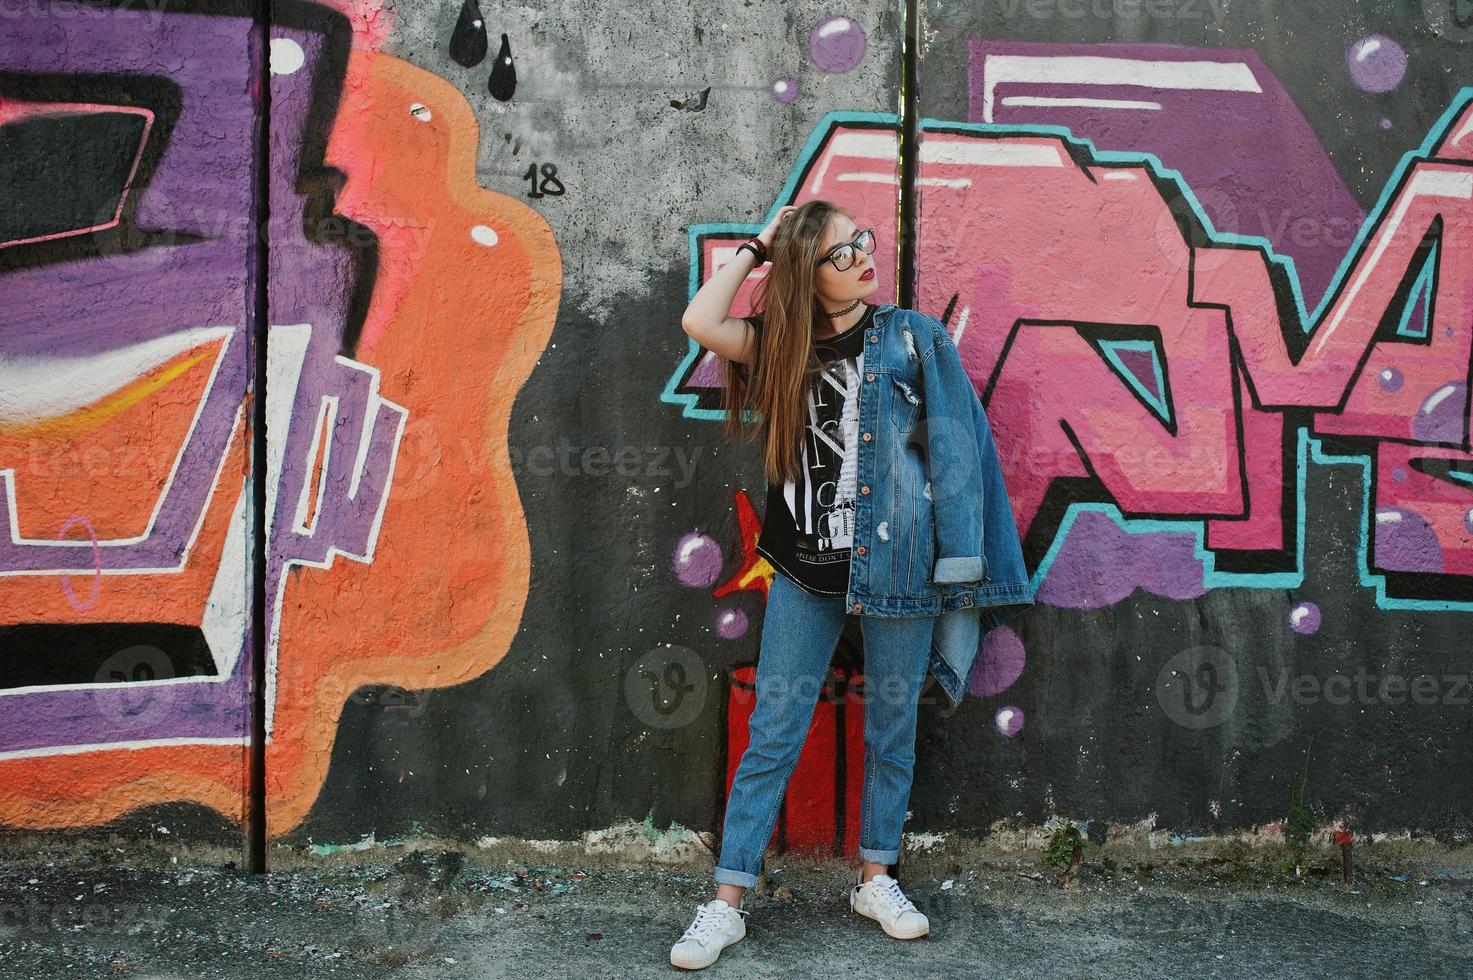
{"x":966,"y":569}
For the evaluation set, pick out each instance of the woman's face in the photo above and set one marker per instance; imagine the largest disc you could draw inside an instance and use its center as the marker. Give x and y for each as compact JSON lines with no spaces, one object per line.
{"x":858,"y":280}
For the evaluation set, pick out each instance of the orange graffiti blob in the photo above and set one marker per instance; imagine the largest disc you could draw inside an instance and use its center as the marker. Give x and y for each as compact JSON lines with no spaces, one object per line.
{"x":464,"y":302}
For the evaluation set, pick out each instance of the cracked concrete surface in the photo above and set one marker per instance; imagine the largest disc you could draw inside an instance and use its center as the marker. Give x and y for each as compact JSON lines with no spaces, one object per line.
{"x":1209,"y":911}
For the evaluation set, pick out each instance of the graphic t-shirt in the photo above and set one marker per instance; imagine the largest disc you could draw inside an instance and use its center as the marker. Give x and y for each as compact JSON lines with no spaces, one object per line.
{"x":808,"y":527}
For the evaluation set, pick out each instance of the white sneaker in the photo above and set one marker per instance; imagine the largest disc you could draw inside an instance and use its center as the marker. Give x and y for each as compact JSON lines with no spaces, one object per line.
{"x":716,"y":926}
{"x":881,"y":899}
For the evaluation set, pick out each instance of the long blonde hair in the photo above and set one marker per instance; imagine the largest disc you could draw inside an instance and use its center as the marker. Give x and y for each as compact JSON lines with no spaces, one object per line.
{"x":787,"y":304}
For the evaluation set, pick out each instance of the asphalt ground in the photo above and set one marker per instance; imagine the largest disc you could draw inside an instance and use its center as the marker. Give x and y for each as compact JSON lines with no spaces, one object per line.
{"x":448,"y":912}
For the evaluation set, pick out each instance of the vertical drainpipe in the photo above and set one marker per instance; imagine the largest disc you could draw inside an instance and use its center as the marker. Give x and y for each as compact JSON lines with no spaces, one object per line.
{"x":909,"y":152}
{"x":256,"y":794}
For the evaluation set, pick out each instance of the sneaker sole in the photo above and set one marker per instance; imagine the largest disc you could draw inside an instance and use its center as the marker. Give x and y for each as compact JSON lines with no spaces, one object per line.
{"x":889,"y":930}
{"x":714,"y":957}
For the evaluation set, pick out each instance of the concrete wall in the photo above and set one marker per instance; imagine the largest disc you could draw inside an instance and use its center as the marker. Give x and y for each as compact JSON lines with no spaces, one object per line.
{"x":1207,"y":266}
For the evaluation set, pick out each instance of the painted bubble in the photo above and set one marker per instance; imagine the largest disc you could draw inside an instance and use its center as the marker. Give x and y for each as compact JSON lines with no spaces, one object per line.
{"x":1009,"y":720}
{"x":697,"y":560}
{"x":1406,"y":542}
{"x":731,"y":624}
{"x":1305,"y":618}
{"x":1399,"y":475}
{"x":785,"y":89}
{"x":1376,"y":63}
{"x":836,"y":44}
{"x":1390,"y":379}
{"x":999,"y":663}
{"x":1440,"y":419}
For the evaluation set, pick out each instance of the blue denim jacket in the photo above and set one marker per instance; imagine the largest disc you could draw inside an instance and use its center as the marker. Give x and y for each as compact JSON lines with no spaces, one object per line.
{"x":934,"y":533}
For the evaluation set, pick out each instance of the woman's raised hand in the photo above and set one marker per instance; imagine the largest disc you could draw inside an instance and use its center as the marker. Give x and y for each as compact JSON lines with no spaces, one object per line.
{"x":765,"y":236}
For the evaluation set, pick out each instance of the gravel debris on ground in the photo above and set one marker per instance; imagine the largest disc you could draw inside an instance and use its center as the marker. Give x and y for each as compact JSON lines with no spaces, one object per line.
{"x":457,"y":912}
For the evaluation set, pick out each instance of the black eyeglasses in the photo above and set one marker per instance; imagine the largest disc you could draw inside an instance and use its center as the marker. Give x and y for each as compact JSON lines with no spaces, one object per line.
{"x":843,"y":255}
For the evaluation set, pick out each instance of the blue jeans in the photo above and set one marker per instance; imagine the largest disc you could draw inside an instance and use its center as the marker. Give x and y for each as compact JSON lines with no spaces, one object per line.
{"x":800,"y":631}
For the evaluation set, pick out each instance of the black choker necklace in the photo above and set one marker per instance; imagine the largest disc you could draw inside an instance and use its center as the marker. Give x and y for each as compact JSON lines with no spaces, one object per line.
{"x":846,"y":309}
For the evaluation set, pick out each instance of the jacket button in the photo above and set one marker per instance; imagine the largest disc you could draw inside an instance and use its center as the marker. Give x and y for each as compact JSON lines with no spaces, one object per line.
{"x":858,"y":607}
{"x":873,"y":337}
{"x":966,"y":600}
{"x":860,"y":549}
{"x":864,"y":489}
{"x":869,"y":377}
{"x":866,"y":437}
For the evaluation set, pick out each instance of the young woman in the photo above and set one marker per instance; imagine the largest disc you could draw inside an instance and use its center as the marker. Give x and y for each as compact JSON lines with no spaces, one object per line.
{"x":797,"y":366}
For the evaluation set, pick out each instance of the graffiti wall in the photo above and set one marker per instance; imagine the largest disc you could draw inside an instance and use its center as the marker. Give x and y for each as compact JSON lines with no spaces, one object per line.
{"x":127,"y":340}
{"x":341,"y":382}
{"x":404,"y":307}
{"x":1200,"y":264}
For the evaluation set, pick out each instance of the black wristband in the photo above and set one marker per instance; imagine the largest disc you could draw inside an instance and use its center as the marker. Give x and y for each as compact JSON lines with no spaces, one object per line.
{"x":759,"y":251}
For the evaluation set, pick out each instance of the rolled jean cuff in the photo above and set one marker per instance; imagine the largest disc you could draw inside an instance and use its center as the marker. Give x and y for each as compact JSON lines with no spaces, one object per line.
{"x":726,"y":876}
{"x":879,"y":857}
